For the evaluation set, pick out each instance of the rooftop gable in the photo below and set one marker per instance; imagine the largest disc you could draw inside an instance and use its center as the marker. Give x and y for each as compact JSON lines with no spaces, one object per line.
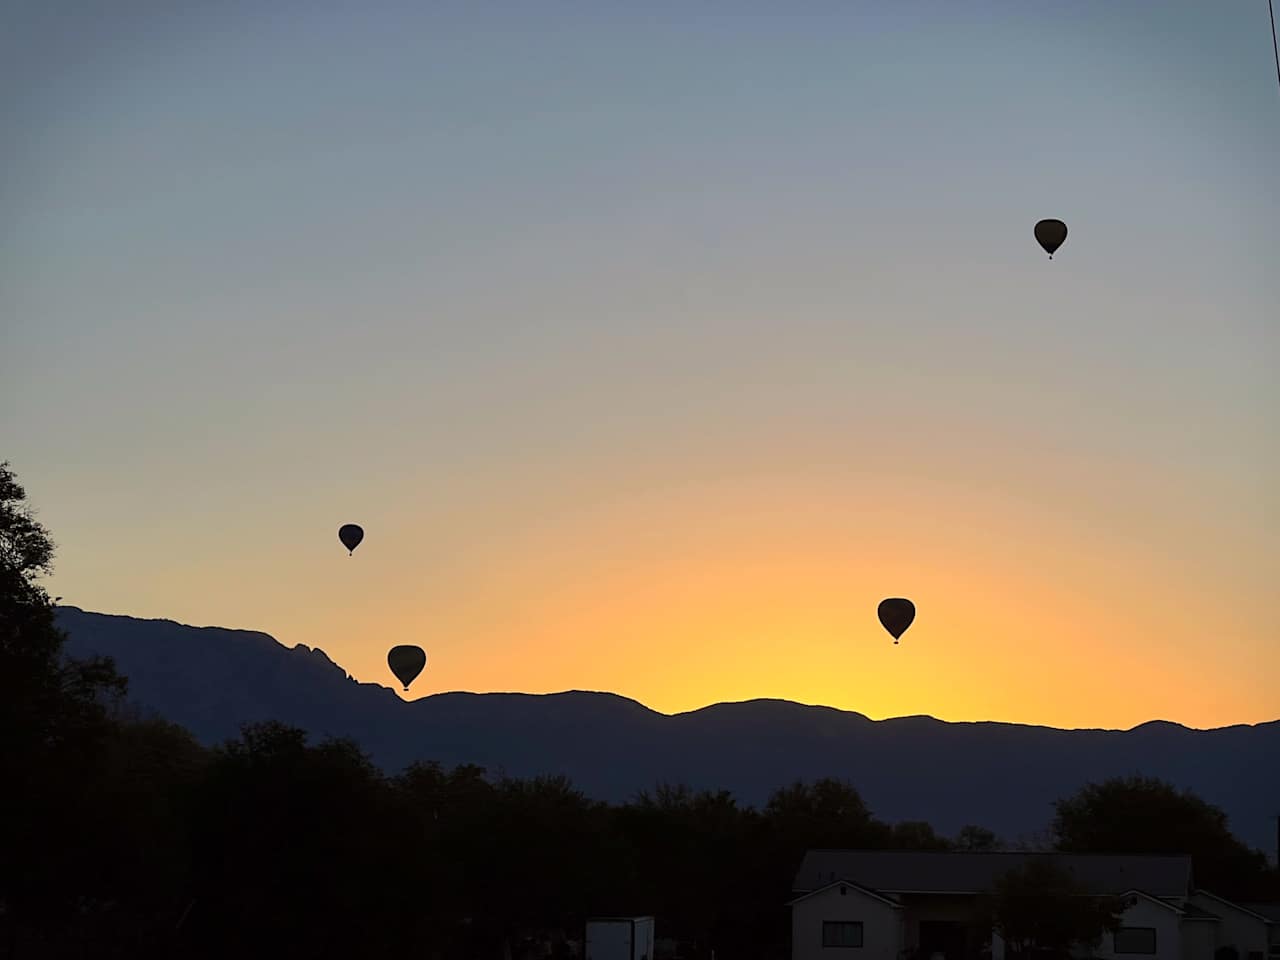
{"x":1129,"y":895}
{"x":850,"y":886}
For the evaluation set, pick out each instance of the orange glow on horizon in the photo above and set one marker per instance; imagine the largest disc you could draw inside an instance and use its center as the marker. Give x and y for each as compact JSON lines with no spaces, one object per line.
{"x":762,"y":586}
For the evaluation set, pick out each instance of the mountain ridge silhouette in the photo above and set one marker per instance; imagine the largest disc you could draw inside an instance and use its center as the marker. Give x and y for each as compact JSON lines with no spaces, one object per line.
{"x":1004,"y":776}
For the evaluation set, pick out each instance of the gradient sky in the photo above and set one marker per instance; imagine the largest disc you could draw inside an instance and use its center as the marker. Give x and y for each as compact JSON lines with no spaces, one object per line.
{"x":653,"y":347}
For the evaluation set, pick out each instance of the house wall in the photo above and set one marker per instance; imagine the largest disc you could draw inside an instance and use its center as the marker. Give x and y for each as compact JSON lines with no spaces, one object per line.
{"x":1200,"y":939}
{"x":1244,"y":931}
{"x":881,"y":927}
{"x":1170,"y":937}
{"x":1144,"y":913}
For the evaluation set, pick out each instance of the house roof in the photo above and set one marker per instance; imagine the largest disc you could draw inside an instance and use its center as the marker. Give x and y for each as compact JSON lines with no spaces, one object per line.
{"x":845,"y":883}
{"x":1251,"y":909}
{"x":1193,"y":912}
{"x":1271,"y":911}
{"x":1156,"y":900}
{"x":930,"y":871}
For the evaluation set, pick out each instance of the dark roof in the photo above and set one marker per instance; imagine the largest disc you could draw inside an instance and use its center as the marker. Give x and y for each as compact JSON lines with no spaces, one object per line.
{"x":1259,"y":910}
{"x":853,"y":886}
{"x":929,"y":871}
{"x":1169,"y":903}
{"x":1269,"y":910}
{"x":1192,"y":912}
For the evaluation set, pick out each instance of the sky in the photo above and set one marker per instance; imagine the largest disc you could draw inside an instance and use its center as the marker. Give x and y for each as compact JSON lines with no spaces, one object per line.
{"x":653,"y":346}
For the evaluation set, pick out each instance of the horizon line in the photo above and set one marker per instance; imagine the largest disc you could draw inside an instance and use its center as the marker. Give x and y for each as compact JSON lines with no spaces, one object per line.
{"x":679,"y":713}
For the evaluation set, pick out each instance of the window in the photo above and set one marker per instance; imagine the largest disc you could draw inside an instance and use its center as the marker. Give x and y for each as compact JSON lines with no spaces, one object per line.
{"x":1135,"y":940}
{"x":842,"y":933}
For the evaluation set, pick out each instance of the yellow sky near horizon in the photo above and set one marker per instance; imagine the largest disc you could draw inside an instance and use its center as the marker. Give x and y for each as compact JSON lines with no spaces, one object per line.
{"x":653,"y":348}
{"x":683,"y":591}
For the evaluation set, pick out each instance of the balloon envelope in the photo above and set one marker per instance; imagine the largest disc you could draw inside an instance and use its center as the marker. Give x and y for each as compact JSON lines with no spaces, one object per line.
{"x":350,"y":534}
{"x":896,"y":615}
{"x":406,"y":662}
{"x":1051,"y":234}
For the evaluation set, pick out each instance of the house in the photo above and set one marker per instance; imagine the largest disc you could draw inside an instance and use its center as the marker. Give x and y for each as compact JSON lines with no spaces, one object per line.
{"x":896,"y":904}
{"x":1254,"y":929}
{"x":1271,"y":913}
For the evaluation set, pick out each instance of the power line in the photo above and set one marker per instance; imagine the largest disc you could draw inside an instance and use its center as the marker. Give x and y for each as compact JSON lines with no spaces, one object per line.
{"x":1274,"y":49}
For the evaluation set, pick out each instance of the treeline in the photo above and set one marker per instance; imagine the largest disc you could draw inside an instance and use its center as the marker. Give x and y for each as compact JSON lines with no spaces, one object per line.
{"x":270,"y":846}
{"x":120,"y":836}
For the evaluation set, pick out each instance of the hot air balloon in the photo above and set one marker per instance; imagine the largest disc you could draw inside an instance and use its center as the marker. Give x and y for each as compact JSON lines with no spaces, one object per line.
{"x":896,"y":615}
{"x":350,"y":534}
{"x":1051,"y":234}
{"x":406,"y":662}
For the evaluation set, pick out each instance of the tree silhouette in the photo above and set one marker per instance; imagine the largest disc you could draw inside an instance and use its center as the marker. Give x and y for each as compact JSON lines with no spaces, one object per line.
{"x":120,"y":836}
{"x":54,"y":725}
{"x":1147,"y":815}
{"x":917,"y":835}
{"x":826,"y":813}
{"x":1041,"y":912}
{"x":291,"y":842}
{"x":972,"y":837}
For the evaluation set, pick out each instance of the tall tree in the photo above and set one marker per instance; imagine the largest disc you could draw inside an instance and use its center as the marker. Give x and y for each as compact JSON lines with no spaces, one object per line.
{"x":1041,"y":912}
{"x":917,"y":835}
{"x":46,"y":700}
{"x":293,"y":849}
{"x":1146,"y":815}
{"x":825,"y":813}
{"x":55,"y":720}
{"x":973,"y":837}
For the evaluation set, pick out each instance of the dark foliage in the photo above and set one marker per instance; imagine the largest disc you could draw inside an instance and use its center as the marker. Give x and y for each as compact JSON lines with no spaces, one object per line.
{"x":123,"y":837}
{"x":1043,"y":914}
{"x":1145,"y":815}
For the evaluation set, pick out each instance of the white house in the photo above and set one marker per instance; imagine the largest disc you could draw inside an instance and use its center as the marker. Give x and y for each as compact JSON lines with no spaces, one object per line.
{"x":1154,"y":928}
{"x":894,"y":905}
{"x":843,"y":914}
{"x":1252,"y":931}
{"x":1271,"y":913}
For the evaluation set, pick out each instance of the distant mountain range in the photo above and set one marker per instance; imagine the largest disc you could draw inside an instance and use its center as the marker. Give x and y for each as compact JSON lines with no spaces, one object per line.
{"x":1002,"y":776}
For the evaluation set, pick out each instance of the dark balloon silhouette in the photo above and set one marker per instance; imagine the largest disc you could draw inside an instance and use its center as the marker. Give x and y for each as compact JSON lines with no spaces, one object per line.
{"x":1051,"y":234}
{"x":406,"y":662}
{"x":350,"y":534}
{"x":896,"y":615}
